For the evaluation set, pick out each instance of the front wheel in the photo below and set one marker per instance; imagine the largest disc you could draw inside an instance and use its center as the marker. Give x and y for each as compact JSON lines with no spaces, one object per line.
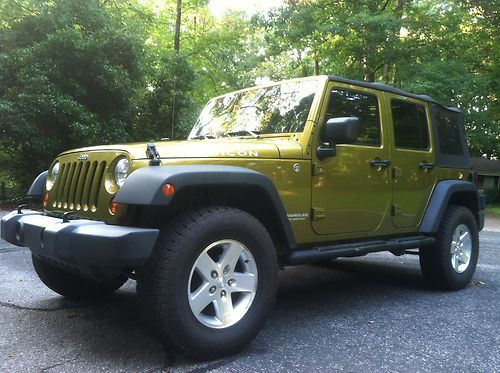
{"x":211,"y":282}
{"x":450,"y":263}
{"x":73,"y":286}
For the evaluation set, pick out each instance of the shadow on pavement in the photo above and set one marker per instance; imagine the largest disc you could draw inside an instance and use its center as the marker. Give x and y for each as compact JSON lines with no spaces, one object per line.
{"x":111,"y":332}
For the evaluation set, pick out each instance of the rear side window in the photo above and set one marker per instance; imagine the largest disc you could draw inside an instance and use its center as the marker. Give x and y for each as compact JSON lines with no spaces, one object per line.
{"x":345,"y":103}
{"x":450,"y":141}
{"x":410,"y":125}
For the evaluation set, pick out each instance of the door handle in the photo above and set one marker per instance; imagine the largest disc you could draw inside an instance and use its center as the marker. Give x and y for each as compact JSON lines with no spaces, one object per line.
{"x":380,"y":163}
{"x":426,"y":166}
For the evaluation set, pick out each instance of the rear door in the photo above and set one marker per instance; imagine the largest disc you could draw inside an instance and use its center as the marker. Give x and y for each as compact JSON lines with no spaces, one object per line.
{"x":413,"y":157}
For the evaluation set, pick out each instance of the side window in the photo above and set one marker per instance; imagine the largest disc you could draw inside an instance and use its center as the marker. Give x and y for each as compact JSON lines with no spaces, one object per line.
{"x":450,"y":141}
{"x":345,"y":103}
{"x":410,"y":125}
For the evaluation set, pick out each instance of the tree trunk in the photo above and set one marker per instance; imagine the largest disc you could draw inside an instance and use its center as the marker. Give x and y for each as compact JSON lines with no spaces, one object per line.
{"x":369,"y":76}
{"x":316,"y":65}
{"x":369,"y":63}
{"x":303,"y":66}
{"x":370,"y":47}
{"x":177,"y":35}
{"x":385,"y":77}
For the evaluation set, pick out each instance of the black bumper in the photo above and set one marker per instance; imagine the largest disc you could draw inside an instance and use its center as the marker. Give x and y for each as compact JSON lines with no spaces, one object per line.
{"x":79,"y":242}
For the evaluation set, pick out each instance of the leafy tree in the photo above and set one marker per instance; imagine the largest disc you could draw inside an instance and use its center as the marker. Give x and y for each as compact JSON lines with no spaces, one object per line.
{"x":165,"y":109}
{"x":67,"y":77}
{"x":76,"y":73}
{"x":448,"y":49}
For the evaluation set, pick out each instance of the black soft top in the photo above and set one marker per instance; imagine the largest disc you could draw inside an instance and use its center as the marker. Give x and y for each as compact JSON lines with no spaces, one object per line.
{"x":388,"y":88}
{"x":449,"y":134}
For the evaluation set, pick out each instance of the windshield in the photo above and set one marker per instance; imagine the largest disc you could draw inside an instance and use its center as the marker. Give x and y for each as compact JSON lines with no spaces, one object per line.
{"x":280,"y":108}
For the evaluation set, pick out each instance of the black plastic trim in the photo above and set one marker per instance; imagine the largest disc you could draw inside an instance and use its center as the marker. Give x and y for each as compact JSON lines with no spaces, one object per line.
{"x":440,"y":200}
{"x":387,"y":88}
{"x":354,"y":249}
{"x":37,"y":188}
{"x":144,"y":187}
{"x":79,"y":242}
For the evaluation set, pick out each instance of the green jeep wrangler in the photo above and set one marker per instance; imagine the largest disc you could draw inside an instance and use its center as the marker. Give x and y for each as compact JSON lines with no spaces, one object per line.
{"x":289,"y":173}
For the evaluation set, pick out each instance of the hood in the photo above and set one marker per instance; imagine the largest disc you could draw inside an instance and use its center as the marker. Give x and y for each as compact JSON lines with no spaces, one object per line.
{"x":217,"y":148}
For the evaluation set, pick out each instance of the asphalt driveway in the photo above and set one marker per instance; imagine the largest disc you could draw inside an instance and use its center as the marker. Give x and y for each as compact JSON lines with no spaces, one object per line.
{"x":370,"y":314}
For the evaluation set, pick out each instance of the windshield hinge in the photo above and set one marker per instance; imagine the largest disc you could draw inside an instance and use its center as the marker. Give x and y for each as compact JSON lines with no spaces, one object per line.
{"x":153,"y":155}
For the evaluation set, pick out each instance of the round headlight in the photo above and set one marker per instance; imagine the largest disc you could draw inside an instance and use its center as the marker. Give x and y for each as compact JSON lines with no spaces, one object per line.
{"x":55,"y":171}
{"x":121,"y":171}
{"x":52,"y":176}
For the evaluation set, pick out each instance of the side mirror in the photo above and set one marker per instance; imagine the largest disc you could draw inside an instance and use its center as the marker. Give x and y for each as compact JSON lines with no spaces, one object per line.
{"x":343,"y":130}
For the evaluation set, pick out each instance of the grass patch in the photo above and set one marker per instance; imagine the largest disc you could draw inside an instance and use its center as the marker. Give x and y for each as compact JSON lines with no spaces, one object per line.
{"x":494,"y":208}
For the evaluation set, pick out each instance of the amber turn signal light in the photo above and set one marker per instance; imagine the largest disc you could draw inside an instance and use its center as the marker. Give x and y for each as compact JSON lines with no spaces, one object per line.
{"x":45,"y":199}
{"x":168,"y":190}
{"x":114,"y":207}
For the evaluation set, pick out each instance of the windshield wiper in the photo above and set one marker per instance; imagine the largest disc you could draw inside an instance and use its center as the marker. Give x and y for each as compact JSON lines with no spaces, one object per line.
{"x":254,"y":134}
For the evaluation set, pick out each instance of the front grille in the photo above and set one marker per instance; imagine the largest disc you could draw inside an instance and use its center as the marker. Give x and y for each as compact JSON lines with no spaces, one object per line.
{"x":78,"y":185}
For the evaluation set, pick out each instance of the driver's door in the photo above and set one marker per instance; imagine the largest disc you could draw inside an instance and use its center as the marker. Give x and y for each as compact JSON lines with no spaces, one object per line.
{"x":351,"y":190}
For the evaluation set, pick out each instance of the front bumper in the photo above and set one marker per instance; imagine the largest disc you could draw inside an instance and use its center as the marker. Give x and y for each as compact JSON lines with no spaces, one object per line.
{"x":79,"y":242}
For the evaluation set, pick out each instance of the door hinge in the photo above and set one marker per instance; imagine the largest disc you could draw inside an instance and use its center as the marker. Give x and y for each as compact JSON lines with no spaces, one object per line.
{"x":397,"y":172}
{"x":396,"y":210}
{"x":318,"y":213}
{"x":317,"y":170}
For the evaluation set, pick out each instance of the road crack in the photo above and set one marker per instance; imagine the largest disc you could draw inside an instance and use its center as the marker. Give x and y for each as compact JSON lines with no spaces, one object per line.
{"x":215,"y":365}
{"x":59,"y":364}
{"x":24,"y":308}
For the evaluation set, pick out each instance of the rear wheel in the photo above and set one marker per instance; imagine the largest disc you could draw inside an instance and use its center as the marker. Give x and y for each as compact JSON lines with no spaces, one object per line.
{"x":71,"y":285}
{"x":450,"y":263}
{"x":211,"y":282}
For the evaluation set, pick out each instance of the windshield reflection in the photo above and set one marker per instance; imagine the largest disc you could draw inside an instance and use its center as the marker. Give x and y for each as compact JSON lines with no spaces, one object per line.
{"x":280,"y":108}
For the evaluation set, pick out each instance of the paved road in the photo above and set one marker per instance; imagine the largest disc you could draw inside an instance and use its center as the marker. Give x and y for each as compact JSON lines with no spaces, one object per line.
{"x":370,"y":314}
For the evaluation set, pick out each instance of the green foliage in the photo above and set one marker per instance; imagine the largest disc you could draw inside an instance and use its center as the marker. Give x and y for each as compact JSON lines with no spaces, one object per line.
{"x":164,"y":109}
{"x":492,"y":196}
{"x":447,"y":49}
{"x":67,"y":75}
{"x":73,"y":74}
{"x":76,"y":73}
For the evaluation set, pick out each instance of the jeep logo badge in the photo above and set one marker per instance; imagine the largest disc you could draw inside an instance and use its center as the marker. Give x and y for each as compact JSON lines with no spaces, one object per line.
{"x":83,"y":157}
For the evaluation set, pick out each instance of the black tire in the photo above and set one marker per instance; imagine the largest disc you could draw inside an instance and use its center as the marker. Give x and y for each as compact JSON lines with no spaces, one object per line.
{"x":436,"y":260}
{"x":163,"y":289}
{"x":71,"y":285}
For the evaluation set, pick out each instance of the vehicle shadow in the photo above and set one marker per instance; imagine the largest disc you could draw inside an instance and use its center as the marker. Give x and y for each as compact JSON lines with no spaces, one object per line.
{"x":110,"y":333}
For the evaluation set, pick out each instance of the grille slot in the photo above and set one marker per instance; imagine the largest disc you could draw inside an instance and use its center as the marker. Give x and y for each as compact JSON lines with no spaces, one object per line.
{"x":78,"y":186}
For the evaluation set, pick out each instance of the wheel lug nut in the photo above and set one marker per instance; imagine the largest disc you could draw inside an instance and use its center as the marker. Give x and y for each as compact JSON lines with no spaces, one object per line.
{"x":212,"y":290}
{"x":226,"y":270}
{"x":231,"y":282}
{"x":223,"y":293}
{"x":214,"y":274}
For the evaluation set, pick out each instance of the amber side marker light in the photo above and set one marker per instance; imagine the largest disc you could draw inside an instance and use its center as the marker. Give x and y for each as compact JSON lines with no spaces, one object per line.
{"x":45,"y":199}
{"x":168,"y":190}
{"x":114,"y":207}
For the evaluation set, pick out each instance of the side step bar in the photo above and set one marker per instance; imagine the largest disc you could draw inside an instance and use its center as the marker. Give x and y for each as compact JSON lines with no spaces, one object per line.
{"x":354,"y":249}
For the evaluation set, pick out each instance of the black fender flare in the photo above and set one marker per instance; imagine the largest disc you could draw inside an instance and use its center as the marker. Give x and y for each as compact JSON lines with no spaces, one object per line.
{"x":440,"y":199}
{"x":37,"y":188}
{"x":144,"y":187}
